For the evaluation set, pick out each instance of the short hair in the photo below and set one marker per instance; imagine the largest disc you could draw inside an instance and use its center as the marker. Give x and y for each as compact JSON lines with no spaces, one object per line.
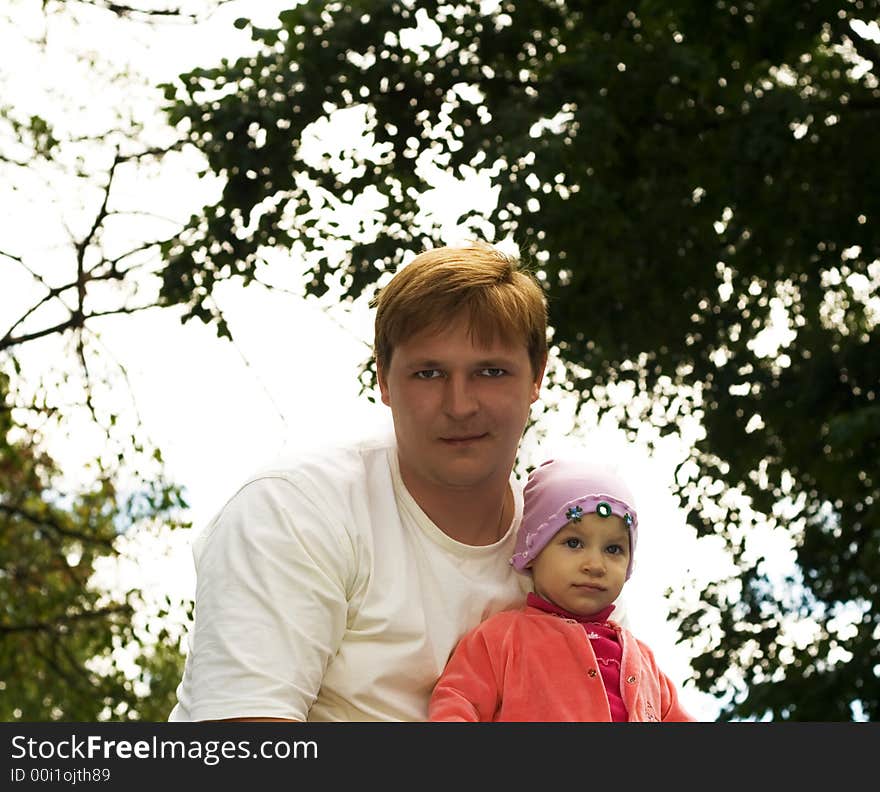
{"x":500,"y":298}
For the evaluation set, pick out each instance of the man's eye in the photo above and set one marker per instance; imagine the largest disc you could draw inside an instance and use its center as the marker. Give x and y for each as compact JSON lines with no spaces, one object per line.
{"x":427,"y":374}
{"x":493,"y":372}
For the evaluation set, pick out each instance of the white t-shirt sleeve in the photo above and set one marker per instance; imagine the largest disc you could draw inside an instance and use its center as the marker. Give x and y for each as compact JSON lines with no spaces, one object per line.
{"x":271,"y":603}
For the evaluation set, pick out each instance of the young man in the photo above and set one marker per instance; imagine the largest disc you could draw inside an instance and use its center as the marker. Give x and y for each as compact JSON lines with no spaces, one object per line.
{"x":335,"y":589}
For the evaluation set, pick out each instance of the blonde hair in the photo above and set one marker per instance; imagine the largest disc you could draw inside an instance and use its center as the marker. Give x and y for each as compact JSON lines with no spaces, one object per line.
{"x":497,"y":295}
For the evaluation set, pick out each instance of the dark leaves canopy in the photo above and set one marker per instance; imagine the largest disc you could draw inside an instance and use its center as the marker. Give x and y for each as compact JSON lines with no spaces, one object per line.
{"x":692,"y":180}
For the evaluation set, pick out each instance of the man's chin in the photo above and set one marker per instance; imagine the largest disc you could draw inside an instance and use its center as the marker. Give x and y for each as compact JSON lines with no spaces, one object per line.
{"x":463,"y":475}
{"x":464,"y":469}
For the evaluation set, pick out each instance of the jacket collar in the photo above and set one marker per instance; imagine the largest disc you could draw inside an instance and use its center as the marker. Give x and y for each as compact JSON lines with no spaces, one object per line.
{"x":536,"y":601}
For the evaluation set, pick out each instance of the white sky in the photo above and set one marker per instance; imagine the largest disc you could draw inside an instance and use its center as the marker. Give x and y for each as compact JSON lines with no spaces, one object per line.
{"x":219,"y":411}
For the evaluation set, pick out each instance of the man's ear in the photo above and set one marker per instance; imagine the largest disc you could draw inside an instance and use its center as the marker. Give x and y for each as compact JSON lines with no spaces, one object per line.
{"x":383,"y":384}
{"x":539,"y":378}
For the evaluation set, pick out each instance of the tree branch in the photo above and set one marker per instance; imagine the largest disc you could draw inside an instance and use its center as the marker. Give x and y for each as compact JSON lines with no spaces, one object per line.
{"x":170,"y":14}
{"x":74,"y":321}
{"x":54,"y":292}
{"x":11,"y":161}
{"x":83,"y":691}
{"x":73,"y":618}
{"x":47,"y":522}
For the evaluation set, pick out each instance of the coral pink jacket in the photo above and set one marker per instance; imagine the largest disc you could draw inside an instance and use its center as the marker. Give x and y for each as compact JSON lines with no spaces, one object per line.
{"x":530,"y":665}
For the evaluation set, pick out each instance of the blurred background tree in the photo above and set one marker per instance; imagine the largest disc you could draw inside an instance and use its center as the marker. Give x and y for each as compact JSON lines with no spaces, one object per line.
{"x":695,"y":183}
{"x":78,"y":640}
{"x":71,"y":650}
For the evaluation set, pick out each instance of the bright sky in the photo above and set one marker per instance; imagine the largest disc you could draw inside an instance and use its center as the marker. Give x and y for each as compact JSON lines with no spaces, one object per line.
{"x":220,"y":411}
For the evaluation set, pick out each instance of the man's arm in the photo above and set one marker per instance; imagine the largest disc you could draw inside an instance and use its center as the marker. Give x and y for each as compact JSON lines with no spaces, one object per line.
{"x":254,"y":720}
{"x":270,"y":606}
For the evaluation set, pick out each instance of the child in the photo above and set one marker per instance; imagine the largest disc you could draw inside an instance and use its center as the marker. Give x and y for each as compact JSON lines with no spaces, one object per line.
{"x":559,"y":658}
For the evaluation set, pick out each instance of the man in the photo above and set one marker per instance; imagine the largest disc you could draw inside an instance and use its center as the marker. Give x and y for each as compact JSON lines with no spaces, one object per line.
{"x":336,"y":589}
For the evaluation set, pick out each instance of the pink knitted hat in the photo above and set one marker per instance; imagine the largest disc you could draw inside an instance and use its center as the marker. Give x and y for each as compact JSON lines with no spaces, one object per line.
{"x":560,"y":490}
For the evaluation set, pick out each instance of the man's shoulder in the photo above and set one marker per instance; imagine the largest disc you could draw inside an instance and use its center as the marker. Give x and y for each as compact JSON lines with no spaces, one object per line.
{"x":344,"y":486}
{"x":335,"y":465}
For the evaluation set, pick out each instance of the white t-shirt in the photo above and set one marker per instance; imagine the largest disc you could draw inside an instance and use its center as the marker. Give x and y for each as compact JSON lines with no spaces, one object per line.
{"x":325,"y":593}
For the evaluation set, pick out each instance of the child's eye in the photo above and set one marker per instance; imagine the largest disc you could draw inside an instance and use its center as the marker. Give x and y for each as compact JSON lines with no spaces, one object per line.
{"x":572,"y":542}
{"x":615,"y":549}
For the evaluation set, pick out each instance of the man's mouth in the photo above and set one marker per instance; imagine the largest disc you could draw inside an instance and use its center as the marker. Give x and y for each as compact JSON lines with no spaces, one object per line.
{"x":455,"y":440}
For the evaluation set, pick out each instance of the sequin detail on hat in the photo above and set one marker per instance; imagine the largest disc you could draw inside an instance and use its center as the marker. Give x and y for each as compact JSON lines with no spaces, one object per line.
{"x":575,"y":513}
{"x":628,"y":520}
{"x":603,"y":509}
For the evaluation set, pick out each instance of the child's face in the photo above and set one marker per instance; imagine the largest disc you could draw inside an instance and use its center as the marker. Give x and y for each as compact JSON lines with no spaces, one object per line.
{"x":583,"y":567}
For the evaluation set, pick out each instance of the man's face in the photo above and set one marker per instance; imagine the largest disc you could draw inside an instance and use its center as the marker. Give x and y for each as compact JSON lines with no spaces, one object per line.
{"x":459,"y":409}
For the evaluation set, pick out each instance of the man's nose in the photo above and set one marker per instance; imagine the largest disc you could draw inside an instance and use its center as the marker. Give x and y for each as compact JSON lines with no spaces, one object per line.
{"x":460,"y":398}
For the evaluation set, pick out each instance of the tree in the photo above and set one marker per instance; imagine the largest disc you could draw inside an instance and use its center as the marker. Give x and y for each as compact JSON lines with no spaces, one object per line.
{"x":62,"y":639}
{"x":696,"y":185}
{"x":76,"y":645}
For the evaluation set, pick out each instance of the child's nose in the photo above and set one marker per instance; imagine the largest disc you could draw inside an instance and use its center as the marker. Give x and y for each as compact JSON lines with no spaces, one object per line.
{"x":593,"y":563}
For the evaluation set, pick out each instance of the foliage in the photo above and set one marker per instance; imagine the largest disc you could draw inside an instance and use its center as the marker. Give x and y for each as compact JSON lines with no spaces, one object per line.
{"x":62,"y":639}
{"x":696,"y":184}
{"x":75,"y":645}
